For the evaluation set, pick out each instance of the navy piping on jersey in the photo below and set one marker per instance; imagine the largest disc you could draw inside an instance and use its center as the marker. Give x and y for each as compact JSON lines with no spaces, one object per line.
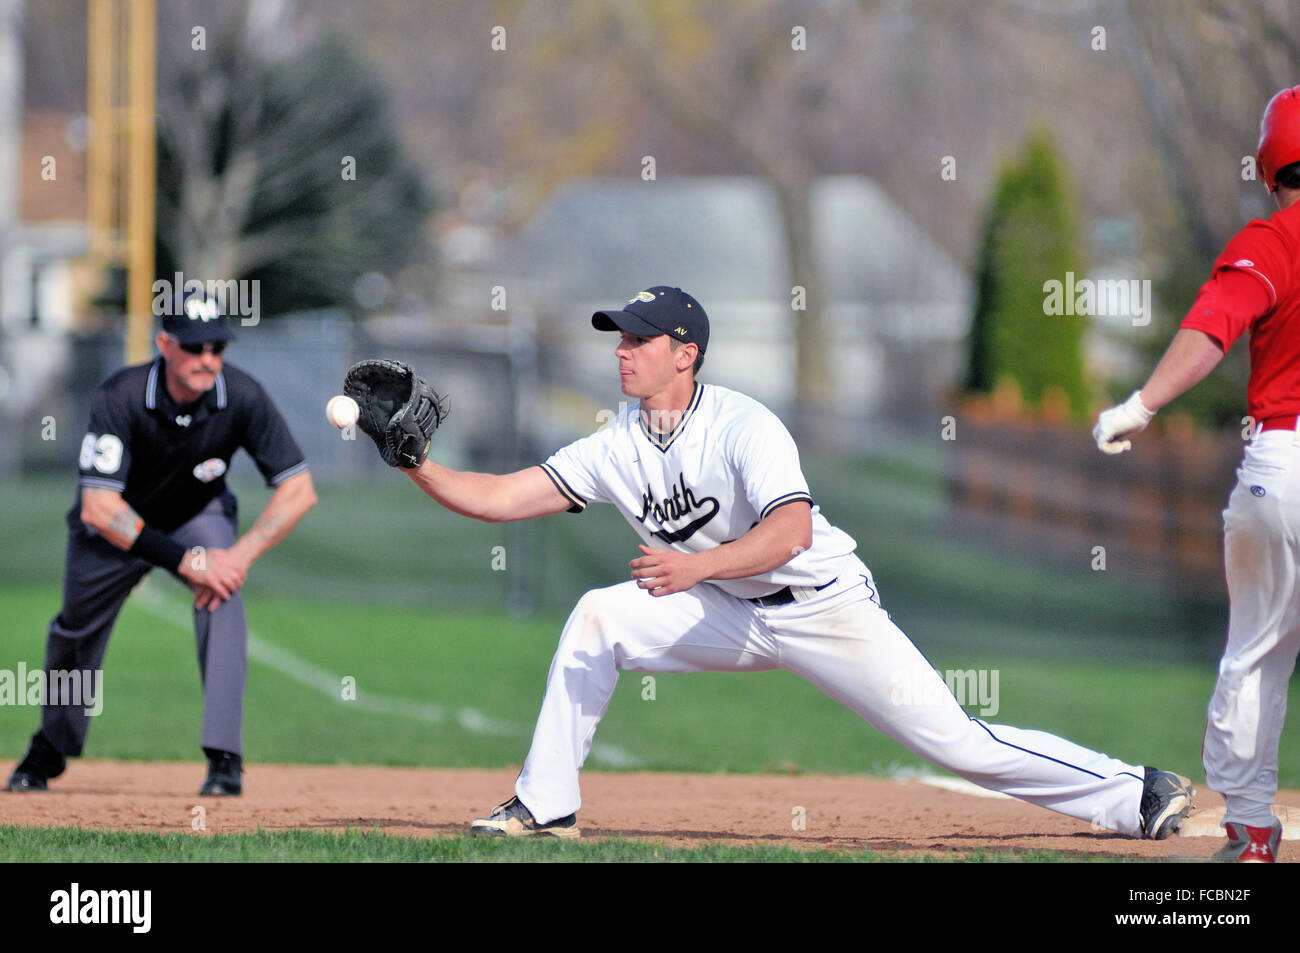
{"x":797,"y":497}
{"x":665,"y":440}
{"x":579,"y":504}
{"x":1039,"y":754}
{"x":871,"y":592}
{"x":285,"y":474}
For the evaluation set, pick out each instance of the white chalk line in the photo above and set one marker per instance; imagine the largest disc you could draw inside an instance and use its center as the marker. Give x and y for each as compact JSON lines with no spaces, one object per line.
{"x":956,"y":785}
{"x":299,"y":670}
{"x":1200,"y":824}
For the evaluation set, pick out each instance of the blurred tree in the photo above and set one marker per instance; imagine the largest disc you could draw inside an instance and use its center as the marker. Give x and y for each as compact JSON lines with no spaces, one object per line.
{"x":1204,"y":81}
{"x":885,"y":89}
{"x":278,"y":160}
{"x":763,"y":112}
{"x":1200,"y":75}
{"x":1029,"y":240}
{"x":589,"y":87}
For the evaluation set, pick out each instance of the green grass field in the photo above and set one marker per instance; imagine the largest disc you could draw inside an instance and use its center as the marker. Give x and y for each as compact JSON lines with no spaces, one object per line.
{"x":381,"y":586}
{"x":496,"y":664}
{"x":72,"y":845}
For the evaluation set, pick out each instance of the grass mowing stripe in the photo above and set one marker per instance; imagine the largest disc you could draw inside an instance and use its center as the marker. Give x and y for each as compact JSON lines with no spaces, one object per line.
{"x":305,"y":673}
{"x":492,"y":662}
{"x":74,"y":845}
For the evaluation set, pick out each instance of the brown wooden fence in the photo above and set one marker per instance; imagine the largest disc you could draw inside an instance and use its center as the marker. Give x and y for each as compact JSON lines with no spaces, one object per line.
{"x":1047,"y":490}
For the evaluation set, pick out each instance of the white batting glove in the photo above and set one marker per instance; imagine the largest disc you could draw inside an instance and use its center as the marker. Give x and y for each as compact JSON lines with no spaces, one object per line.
{"x":1129,"y":417}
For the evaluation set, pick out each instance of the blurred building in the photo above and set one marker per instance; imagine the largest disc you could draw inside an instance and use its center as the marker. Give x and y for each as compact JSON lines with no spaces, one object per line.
{"x":43,"y":242}
{"x":899,"y":304}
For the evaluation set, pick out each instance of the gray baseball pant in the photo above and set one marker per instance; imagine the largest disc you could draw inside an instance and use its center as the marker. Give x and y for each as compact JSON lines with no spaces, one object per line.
{"x":97,"y":579}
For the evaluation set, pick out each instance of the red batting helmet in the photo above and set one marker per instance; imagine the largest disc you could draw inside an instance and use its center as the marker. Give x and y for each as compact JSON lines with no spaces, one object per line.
{"x":1279,"y":135}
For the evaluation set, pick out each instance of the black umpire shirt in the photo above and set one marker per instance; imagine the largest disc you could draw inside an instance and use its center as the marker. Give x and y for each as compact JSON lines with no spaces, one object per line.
{"x":169,"y":460}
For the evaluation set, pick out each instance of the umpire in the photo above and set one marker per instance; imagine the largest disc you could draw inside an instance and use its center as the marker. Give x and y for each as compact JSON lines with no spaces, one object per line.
{"x":153,"y":493}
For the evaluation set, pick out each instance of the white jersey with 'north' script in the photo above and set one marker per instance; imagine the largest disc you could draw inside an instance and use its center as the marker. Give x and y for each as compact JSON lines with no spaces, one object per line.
{"x":726,"y":464}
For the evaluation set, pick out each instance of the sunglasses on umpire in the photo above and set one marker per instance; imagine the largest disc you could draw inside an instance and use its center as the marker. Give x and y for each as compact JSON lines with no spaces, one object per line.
{"x":211,"y":347}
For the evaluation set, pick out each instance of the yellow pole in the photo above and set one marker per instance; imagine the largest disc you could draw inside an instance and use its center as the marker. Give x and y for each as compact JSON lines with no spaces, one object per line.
{"x":141,"y":92}
{"x":100,"y":36}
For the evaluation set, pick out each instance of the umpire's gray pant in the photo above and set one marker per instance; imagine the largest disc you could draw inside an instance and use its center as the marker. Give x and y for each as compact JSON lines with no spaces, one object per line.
{"x":96,"y":581}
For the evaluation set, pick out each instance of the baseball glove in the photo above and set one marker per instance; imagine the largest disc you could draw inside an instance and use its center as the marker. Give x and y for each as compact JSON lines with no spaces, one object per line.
{"x":399,"y":411}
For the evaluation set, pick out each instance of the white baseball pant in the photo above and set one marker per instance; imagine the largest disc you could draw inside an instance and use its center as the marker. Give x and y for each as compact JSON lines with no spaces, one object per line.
{"x":841,"y":641}
{"x":1261,"y":550}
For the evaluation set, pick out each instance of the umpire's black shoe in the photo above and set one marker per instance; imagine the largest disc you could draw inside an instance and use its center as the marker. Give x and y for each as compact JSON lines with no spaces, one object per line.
{"x":41,"y":762}
{"x":224,"y":770}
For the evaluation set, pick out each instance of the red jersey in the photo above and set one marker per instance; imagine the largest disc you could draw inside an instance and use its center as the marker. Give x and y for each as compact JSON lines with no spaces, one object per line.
{"x":1267,"y":303}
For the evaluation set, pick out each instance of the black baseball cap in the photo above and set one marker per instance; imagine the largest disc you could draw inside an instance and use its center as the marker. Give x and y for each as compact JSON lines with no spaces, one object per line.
{"x":659,"y":310}
{"x":200,"y":319}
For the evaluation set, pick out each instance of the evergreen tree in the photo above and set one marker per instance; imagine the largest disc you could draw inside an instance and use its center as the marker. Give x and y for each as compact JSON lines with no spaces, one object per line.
{"x":283,"y":165}
{"x":1029,"y":240}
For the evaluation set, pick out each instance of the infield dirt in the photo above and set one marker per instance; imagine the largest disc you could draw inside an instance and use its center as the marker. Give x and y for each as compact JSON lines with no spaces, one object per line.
{"x":840,"y":812}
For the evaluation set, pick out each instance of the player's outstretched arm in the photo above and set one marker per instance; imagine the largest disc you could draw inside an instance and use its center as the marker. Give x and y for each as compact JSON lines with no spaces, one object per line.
{"x":1188,"y":360}
{"x":1191,"y":355}
{"x":1227,"y":305}
{"x":779,"y":537}
{"x":521,"y":495}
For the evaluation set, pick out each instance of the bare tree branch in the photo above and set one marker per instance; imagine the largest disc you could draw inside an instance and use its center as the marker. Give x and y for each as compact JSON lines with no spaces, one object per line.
{"x":1133,"y":44}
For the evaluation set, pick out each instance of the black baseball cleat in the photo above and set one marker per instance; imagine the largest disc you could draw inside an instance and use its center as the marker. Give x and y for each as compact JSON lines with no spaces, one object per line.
{"x":224,"y":770}
{"x":1166,"y":801}
{"x":512,"y":819}
{"x":41,"y":762}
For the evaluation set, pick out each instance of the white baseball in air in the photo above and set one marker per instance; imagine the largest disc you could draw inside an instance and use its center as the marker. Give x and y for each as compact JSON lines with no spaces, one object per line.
{"x":342,"y":411}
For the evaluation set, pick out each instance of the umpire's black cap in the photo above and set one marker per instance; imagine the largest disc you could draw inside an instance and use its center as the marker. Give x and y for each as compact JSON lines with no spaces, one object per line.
{"x":659,"y":310}
{"x":199,"y":319}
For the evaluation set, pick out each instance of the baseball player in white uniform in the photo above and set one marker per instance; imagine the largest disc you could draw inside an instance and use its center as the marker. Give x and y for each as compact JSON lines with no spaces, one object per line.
{"x":739,"y":571}
{"x":1255,"y":286}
